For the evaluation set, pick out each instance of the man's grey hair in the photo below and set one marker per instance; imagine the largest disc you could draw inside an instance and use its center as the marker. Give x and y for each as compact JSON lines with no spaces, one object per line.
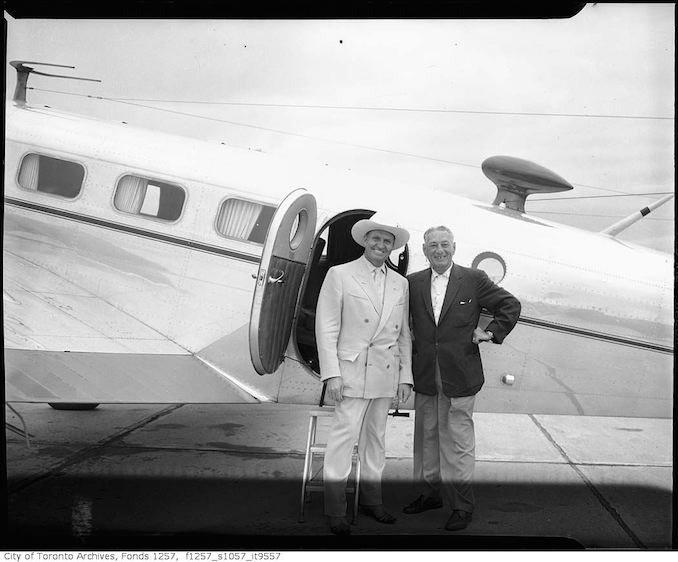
{"x":434,"y":228}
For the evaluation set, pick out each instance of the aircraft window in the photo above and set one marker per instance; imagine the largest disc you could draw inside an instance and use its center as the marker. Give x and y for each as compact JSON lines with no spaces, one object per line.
{"x":51,"y":175}
{"x":492,"y":264}
{"x":148,"y":197}
{"x":298,"y":229}
{"x":245,"y":220}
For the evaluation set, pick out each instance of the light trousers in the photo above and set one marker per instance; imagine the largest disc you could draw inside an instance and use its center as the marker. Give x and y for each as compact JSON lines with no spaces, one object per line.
{"x":362,"y":420}
{"x":444,"y":447}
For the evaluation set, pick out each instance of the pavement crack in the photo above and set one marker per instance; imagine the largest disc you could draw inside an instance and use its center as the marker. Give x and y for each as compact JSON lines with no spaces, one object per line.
{"x":89,"y":451}
{"x":598,"y":495}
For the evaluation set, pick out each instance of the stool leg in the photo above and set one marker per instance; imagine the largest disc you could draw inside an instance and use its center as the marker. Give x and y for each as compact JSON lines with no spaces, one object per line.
{"x":25,"y":433}
{"x":313,"y":428}
{"x":356,"y":489}
{"x":307,"y":460}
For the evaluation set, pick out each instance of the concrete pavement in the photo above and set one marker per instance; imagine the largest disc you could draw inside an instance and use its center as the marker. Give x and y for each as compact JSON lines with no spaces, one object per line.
{"x":227,"y":476}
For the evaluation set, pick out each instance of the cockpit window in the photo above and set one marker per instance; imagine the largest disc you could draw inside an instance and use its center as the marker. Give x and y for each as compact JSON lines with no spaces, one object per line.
{"x":149,"y":198}
{"x":244,"y":220}
{"x":51,"y":175}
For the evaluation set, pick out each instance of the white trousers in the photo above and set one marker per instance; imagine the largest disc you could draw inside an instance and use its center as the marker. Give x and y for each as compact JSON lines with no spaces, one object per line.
{"x":444,"y":447}
{"x":362,"y":420}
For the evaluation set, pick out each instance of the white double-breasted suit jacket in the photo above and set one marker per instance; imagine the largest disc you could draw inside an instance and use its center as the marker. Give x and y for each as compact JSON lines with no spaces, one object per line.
{"x":368,"y":345}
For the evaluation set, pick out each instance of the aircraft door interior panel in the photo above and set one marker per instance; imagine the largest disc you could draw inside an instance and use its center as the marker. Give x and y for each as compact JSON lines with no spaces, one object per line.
{"x":284,"y":259}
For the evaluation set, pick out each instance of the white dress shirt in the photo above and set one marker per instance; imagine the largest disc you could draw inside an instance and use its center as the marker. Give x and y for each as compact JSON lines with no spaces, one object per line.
{"x":439,"y":283}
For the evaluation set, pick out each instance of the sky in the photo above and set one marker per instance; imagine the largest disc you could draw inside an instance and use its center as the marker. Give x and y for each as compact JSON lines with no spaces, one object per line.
{"x":426,"y":101}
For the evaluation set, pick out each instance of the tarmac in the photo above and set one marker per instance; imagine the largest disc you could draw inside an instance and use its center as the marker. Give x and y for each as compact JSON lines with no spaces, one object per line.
{"x":215,"y":477}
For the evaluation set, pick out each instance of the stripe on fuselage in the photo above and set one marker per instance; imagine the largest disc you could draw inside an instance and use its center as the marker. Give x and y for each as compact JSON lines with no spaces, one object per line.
{"x":86,"y":219}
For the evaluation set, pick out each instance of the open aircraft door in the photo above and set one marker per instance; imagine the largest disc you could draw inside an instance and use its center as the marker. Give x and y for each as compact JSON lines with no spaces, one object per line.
{"x":284,"y":259}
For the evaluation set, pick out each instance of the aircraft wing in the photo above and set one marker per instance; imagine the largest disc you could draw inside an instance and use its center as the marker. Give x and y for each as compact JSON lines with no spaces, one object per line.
{"x":58,"y":377}
{"x":64,"y":344}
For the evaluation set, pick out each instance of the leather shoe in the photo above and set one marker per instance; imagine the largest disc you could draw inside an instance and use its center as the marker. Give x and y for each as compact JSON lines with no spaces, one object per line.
{"x":458,"y":520}
{"x":378,"y":513}
{"x":423,"y":504}
{"x":339,"y":526}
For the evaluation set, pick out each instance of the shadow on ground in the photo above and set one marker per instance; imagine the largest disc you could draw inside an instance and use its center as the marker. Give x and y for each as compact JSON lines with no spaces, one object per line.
{"x":147,"y":512}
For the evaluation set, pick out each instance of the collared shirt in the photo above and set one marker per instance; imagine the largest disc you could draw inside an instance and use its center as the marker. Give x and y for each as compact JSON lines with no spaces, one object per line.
{"x":378,"y":276}
{"x":439,"y":282}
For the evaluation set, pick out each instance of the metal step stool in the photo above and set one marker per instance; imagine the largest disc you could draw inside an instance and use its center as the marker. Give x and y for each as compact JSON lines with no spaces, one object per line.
{"x":312,"y":479}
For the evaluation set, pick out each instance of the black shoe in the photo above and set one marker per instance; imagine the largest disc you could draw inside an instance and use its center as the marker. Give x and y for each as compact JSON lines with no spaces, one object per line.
{"x":339,"y":526}
{"x":458,"y":520}
{"x":423,"y":504}
{"x":378,"y":513}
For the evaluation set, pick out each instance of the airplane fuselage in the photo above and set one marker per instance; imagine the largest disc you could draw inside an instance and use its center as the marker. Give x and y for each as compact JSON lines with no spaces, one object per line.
{"x":84,"y":275}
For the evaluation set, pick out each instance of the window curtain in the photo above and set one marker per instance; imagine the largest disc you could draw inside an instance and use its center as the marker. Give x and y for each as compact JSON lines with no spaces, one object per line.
{"x":237,"y":218}
{"x":130,"y":194}
{"x":28,"y":175}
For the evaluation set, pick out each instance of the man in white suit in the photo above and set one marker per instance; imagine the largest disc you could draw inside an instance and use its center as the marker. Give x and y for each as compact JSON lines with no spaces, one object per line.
{"x":364,"y":347}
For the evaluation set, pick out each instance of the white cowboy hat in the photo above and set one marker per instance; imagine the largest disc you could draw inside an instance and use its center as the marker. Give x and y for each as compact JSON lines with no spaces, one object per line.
{"x":364,"y":226}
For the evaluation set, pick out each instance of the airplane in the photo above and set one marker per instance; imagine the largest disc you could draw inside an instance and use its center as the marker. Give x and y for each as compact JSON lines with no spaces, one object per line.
{"x":143,"y":267}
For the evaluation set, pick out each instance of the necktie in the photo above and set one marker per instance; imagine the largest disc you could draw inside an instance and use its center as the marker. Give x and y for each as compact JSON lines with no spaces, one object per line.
{"x":377,"y":279}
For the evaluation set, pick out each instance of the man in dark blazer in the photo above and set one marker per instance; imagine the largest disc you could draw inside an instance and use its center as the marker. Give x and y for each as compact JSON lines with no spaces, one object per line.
{"x":445,"y":304}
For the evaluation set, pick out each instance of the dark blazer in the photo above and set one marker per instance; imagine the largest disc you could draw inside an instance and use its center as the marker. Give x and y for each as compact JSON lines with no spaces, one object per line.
{"x":450,"y":342}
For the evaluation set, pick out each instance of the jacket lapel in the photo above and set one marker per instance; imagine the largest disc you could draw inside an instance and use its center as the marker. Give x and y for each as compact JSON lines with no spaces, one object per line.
{"x":391,"y":294}
{"x":452,"y":289}
{"x":364,"y":281}
{"x":425,"y":288}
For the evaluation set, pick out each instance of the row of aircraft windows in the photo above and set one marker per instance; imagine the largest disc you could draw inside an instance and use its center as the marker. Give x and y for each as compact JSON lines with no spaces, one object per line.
{"x":146,"y":197}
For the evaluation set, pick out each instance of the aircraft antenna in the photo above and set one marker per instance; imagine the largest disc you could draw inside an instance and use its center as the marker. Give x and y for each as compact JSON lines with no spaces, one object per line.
{"x":516,"y":178}
{"x":623,"y":224}
{"x":23,"y":72}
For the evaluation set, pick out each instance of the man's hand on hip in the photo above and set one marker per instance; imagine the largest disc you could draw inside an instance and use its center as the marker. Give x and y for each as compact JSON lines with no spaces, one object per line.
{"x":335,"y":389}
{"x":480,"y":335}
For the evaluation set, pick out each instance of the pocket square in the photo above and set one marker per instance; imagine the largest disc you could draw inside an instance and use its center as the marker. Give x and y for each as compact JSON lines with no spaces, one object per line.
{"x":465,"y":302}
